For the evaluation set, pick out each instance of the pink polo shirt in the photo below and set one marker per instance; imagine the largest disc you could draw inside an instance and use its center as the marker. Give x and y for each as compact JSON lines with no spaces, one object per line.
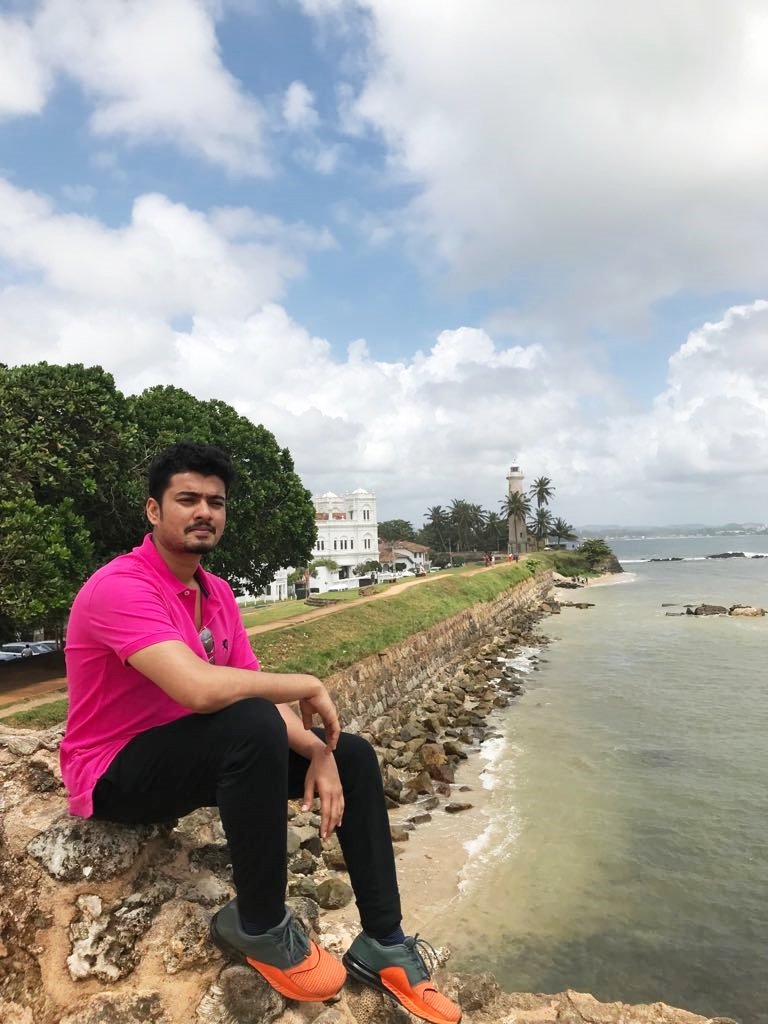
{"x":131,"y":603}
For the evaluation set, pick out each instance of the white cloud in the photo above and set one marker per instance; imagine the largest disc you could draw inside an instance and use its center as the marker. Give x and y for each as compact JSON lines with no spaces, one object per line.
{"x":597,"y":157}
{"x":183,"y":297}
{"x":299,"y":107}
{"x":152,"y":69}
{"x":24,"y":79}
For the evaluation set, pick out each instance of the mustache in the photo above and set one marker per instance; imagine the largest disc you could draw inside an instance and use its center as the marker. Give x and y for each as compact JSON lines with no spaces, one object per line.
{"x":199,"y":526}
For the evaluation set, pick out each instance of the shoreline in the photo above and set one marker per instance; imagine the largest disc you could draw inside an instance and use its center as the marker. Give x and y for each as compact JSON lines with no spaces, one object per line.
{"x":439,"y":852}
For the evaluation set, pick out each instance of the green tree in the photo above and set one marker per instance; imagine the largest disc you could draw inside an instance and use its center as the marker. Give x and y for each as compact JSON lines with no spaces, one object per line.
{"x":542,"y":490}
{"x":541,"y":525}
{"x":562,"y":530}
{"x":462,"y":518}
{"x":270,"y":515}
{"x":435,"y":530}
{"x":45,"y":555}
{"x":67,"y":433}
{"x":596,"y":552}
{"x":495,"y":530}
{"x":396,"y":529}
{"x":367,"y":568}
{"x":515,"y":508}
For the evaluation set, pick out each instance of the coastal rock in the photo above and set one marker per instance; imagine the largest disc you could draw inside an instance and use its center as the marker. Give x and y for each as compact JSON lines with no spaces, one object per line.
{"x":747,"y":611}
{"x":456,"y":807}
{"x":710,"y":609}
{"x":333,"y":893}
{"x":240,"y":996}
{"x":133,"y":1008}
{"x":77,"y":848}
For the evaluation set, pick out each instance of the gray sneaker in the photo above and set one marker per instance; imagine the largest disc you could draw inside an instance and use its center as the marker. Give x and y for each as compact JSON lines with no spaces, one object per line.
{"x":284,"y":956}
{"x":401,"y":972}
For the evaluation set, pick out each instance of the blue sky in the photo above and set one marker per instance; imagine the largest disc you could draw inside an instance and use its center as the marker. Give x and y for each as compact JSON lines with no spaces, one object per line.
{"x":416,"y":241}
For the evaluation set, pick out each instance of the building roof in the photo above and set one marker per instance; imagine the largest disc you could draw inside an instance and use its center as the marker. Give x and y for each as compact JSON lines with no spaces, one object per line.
{"x":404,"y":545}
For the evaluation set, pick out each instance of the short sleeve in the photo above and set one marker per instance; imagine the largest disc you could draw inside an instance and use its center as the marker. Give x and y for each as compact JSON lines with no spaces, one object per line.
{"x":127,"y":613}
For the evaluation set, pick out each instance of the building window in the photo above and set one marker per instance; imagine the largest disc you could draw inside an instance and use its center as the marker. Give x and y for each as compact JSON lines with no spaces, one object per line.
{"x":334,"y":545}
{"x":351,"y":545}
{"x":366,"y":514}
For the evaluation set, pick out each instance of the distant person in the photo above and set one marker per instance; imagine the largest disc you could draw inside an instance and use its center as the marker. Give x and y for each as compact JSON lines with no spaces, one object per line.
{"x":27,"y":652}
{"x":169,"y":712}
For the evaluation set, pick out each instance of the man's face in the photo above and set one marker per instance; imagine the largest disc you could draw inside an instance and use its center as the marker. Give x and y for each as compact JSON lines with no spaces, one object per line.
{"x":191,"y":516}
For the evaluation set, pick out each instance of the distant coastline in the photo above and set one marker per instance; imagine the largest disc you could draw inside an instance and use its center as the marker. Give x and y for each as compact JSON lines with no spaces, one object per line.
{"x":677,"y":532}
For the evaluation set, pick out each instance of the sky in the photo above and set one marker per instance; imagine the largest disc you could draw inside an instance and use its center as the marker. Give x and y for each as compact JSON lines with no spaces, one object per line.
{"x":419,"y":242}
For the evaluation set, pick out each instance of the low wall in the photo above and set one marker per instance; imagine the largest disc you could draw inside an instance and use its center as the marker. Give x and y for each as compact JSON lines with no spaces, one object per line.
{"x":378,"y":685}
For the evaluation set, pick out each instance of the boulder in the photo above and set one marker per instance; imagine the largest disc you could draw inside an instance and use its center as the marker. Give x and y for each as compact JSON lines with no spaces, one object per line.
{"x":747,"y":611}
{"x":81,"y":848}
{"x":710,"y":609}
{"x":333,"y":893}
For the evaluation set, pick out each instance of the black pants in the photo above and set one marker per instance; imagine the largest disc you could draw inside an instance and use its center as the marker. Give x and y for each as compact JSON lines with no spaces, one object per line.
{"x":238,"y":760}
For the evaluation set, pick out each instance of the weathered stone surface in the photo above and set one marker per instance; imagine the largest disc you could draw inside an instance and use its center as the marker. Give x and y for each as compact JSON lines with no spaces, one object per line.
{"x":456,"y":807}
{"x":399,"y":834}
{"x":747,"y":611}
{"x":77,"y":848}
{"x":241,"y":996}
{"x":332,"y":855}
{"x":104,"y":937}
{"x":131,"y":1008}
{"x":333,"y":893}
{"x":477,"y":990}
{"x":13,"y":1013}
{"x":303,"y":863}
{"x":186,"y":940}
{"x":710,"y":609}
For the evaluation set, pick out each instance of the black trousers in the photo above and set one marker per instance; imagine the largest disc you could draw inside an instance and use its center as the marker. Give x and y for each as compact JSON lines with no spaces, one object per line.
{"x":238,"y":760}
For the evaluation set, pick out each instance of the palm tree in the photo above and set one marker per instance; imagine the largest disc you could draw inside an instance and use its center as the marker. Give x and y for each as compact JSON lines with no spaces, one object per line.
{"x":477,"y":516}
{"x":542,"y":490}
{"x":437,"y":518}
{"x":494,"y":529}
{"x":562,"y":530}
{"x":515,"y":508}
{"x":462,"y":519}
{"x":541,"y":525}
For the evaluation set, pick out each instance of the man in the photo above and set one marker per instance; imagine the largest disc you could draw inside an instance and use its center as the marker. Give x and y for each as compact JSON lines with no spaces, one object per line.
{"x":169,"y":712}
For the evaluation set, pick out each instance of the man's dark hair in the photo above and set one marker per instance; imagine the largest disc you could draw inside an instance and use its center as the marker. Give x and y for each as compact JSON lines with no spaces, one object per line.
{"x":188,"y":457}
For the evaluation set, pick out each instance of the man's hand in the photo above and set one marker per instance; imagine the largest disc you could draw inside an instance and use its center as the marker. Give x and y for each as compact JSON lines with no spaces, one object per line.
{"x":322,"y":778}
{"x":321,"y":704}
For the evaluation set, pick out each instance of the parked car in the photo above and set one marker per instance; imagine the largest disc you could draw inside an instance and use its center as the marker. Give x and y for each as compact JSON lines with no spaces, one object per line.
{"x":9,"y":656}
{"x":21,"y":650}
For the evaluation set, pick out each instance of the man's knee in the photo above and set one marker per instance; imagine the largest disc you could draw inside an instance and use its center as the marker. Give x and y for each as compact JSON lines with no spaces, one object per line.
{"x":255,"y":724}
{"x":356,"y":757}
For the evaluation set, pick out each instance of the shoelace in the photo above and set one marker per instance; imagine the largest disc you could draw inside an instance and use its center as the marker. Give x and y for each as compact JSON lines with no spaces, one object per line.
{"x":425,"y":953}
{"x":295,"y":940}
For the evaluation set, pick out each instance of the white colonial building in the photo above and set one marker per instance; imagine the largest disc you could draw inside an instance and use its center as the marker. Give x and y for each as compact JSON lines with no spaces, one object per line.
{"x":347,"y":529}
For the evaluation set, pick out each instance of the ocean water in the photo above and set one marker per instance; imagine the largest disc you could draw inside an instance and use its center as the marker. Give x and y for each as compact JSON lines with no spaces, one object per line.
{"x":625,"y":851}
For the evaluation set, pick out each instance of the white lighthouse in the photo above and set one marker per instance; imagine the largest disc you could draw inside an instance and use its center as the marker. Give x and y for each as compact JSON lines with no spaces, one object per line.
{"x":518,"y":532}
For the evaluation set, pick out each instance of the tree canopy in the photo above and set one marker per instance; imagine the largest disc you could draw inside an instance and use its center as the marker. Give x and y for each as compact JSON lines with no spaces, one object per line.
{"x":73,"y":487}
{"x":396,"y":529}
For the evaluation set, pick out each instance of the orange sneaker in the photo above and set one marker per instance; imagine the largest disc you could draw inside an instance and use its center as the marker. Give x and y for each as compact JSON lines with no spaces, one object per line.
{"x":401,"y":972}
{"x":284,"y":956}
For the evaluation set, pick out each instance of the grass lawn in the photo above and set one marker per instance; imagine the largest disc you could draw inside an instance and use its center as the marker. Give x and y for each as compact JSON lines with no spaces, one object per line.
{"x":41,"y":717}
{"x":327,"y":644}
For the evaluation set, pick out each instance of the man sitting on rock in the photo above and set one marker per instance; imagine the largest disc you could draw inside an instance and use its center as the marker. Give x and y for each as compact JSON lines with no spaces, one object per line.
{"x":169,"y":712}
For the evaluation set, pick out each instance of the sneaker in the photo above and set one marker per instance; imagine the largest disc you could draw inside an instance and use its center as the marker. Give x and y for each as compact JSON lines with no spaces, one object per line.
{"x":401,"y":972}
{"x":284,"y":956}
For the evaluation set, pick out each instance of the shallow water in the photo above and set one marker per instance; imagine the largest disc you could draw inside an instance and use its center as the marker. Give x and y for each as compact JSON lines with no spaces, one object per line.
{"x":626,"y":848}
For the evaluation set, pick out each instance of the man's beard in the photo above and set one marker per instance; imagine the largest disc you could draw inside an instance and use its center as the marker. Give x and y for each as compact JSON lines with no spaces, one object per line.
{"x":200,"y":547}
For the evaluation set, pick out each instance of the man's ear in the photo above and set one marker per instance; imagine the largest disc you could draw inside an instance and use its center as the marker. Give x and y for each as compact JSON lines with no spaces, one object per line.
{"x":153,"y":511}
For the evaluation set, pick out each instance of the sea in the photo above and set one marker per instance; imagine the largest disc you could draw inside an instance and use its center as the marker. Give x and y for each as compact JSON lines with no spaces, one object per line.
{"x":624,"y":841}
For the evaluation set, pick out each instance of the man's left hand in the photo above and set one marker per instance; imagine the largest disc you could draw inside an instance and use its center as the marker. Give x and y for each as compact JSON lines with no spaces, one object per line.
{"x":322,"y":779}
